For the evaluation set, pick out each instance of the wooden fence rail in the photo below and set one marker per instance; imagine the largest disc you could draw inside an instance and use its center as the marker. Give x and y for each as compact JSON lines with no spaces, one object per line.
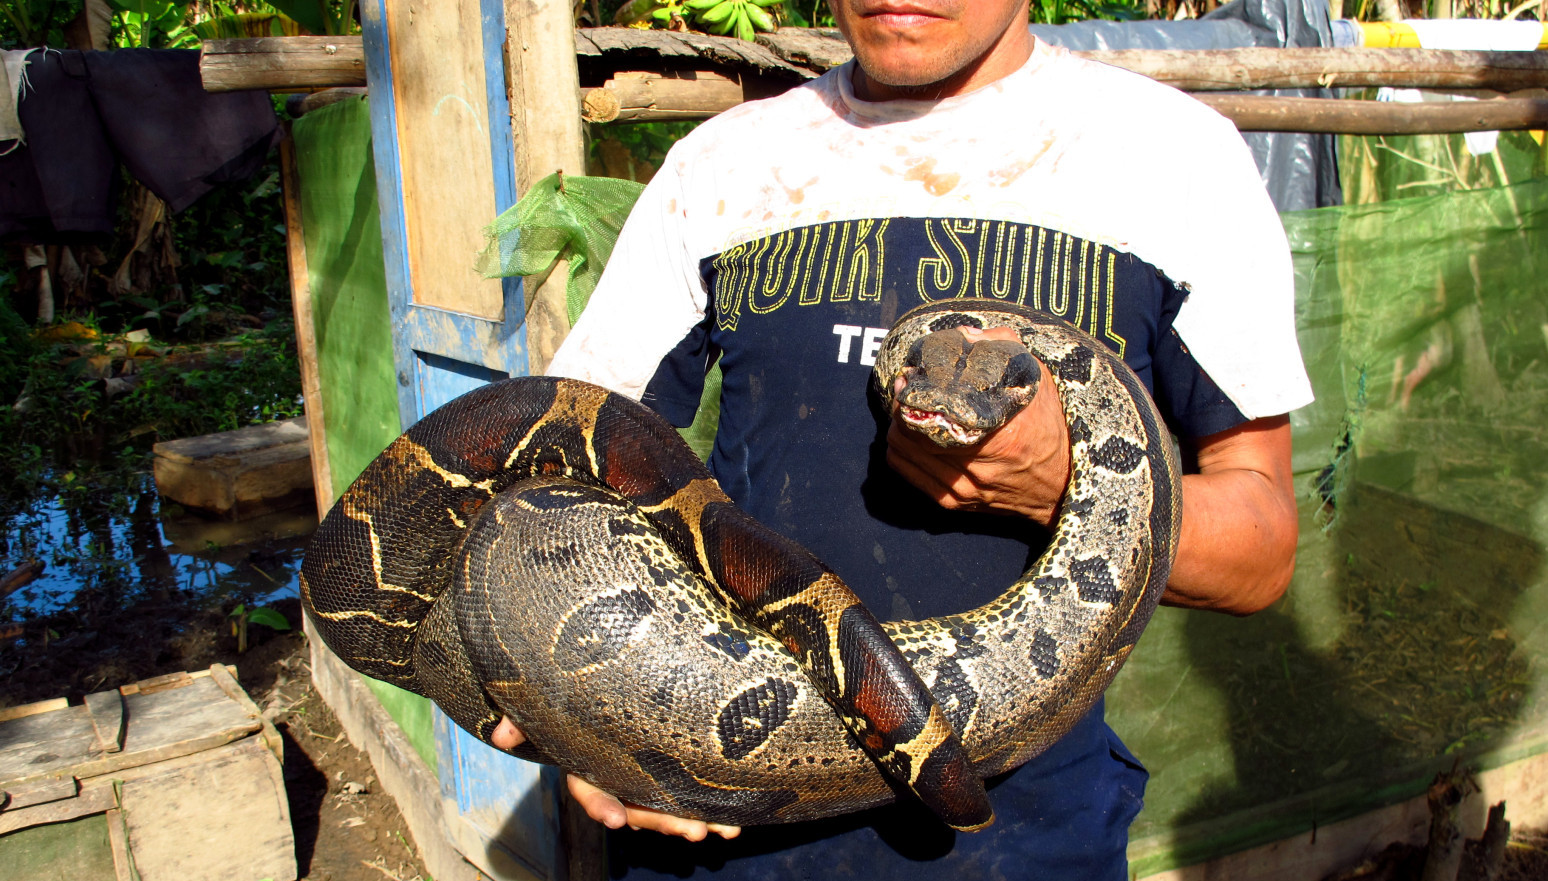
{"x":693,"y":76}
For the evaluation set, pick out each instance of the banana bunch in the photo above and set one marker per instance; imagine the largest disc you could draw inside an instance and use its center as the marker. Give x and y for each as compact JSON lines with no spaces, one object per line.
{"x":744,"y":18}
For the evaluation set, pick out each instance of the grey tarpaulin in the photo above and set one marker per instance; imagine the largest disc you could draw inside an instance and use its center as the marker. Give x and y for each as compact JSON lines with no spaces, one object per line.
{"x":1300,"y":170}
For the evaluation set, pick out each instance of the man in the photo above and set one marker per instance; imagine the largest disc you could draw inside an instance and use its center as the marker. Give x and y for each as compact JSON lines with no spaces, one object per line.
{"x":955,"y":157}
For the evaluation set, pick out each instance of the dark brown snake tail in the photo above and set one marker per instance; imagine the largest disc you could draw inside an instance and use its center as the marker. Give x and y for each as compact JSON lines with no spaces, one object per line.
{"x":542,"y":548}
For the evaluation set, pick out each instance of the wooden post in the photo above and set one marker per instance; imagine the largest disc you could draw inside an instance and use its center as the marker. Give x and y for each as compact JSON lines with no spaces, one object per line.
{"x":547,"y":131}
{"x":548,"y":135}
{"x":306,"y":329}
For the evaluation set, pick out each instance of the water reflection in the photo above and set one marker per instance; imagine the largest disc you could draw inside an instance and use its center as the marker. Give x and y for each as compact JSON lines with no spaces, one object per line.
{"x":113,"y":542}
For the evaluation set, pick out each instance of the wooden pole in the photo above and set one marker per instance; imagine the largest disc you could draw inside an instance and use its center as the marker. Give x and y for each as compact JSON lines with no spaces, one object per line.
{"x":547,"y":131}
{"x":1253,"y":113}
{"x":1254,"y":68}
{"x":634,"y":96}
{"x":306,"y":329}
{"x":314,"y":62}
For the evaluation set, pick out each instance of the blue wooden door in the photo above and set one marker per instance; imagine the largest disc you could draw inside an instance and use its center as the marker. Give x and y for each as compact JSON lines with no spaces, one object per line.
{"x":445,"y":167}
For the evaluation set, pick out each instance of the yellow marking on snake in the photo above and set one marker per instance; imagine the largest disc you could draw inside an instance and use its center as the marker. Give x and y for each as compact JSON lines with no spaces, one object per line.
{"x":819,"y":595}
{"x":413,"y":455}
{"x":367,"y":614}
{"x":689,"y":503}
{"x":575,"y":404}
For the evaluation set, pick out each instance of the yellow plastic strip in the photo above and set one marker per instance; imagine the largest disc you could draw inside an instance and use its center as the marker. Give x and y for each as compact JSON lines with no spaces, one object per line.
{"x":1398,"y":35}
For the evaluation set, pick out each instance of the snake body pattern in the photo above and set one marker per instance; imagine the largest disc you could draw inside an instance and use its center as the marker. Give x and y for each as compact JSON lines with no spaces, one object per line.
{"x":545,"y":549}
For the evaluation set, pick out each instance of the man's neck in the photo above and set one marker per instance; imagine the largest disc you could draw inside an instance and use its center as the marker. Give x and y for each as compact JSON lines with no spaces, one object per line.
{"x":1002,"y":59}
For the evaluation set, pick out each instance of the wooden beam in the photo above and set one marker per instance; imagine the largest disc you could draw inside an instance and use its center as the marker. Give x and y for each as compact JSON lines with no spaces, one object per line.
{"x":637,"y":96}
{"x":1240,"y":69}
{"x":1252,"y":113}
{"x":647,"y":97}
{"x":299,"y":63}
{"x":282,"y":63}
{"x":306,"y":327}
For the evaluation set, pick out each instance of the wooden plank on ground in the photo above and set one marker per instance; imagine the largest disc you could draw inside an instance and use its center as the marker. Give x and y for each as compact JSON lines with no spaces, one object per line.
{"x":221,"y":815}
{"x":90,"y":801}
{"x":164,"y":722}
{"x":106,"y":711}
{"x":41,"y":792}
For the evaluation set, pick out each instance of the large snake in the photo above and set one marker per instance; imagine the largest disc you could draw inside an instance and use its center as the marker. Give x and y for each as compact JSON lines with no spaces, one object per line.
{"x":545,"y":549}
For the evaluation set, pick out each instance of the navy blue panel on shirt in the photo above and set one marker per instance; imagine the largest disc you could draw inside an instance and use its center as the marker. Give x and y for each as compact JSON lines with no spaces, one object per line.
{"x":797,"y":318}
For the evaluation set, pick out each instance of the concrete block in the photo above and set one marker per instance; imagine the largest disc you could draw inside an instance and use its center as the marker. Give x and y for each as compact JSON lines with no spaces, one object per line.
{"x":238,"y":474}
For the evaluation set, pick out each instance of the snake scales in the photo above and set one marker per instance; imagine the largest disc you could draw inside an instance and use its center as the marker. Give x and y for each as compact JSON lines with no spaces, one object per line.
{"x":543,"y":548}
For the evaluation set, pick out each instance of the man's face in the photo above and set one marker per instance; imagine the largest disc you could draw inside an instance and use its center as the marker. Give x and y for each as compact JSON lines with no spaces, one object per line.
{"x":932,"y":48}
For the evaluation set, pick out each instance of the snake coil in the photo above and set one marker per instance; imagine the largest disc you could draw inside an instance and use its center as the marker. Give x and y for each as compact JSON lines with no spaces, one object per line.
{"x":545,"y":549}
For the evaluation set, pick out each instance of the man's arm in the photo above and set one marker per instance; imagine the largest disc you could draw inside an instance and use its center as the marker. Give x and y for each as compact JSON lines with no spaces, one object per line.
{"x":1237,"y":549}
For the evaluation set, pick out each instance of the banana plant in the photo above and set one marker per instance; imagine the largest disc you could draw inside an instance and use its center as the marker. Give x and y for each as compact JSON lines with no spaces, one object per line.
{"x":154,"y":24}
{"x":247,"y":24}
{"x":742,"y":18}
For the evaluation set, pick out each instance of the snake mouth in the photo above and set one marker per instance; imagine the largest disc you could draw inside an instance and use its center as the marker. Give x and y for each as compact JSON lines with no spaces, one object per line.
{"x":935,"y":423}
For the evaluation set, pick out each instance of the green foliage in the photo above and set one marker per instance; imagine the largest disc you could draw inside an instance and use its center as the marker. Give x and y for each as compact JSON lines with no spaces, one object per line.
{"x":1067,"y":11}
{"x":247,"y":25}
{"x":242,"y":616}
{"x":152,"y":24}
{"x":29,"y":23}
{"x":179,"y":392}
{"x":321,"y":17}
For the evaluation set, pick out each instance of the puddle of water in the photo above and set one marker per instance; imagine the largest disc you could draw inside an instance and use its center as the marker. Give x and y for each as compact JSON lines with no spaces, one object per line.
{"x":115,"y":543}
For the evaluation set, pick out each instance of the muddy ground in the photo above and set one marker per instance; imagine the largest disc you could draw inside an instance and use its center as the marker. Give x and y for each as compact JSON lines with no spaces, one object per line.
{"x":346,"y":828}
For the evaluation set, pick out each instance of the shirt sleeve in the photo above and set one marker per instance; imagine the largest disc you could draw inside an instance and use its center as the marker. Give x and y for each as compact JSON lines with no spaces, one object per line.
{"x":650,"y":296}
{"x":1238,"y":317}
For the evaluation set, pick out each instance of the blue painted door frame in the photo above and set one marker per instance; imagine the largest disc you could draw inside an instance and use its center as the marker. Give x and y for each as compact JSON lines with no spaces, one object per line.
{"x":503,"y":810}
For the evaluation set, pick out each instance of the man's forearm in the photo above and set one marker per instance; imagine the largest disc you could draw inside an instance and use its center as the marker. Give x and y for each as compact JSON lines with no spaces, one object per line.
{"x":1237,"y":548}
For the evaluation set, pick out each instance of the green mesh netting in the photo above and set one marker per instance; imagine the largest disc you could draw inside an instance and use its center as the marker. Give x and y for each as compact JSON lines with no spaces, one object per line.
{"x":1414,"y":631}
{"x":566,"y":217}
{"x":561,"y":217}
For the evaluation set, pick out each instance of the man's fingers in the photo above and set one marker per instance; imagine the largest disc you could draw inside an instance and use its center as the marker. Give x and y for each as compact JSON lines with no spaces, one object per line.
{"x":597,"y":804}
{"x":506,"y":735}
{"x":614,"y":814}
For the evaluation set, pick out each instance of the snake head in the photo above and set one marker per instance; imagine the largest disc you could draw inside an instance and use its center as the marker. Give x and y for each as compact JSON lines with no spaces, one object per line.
{"x":956,"y":390}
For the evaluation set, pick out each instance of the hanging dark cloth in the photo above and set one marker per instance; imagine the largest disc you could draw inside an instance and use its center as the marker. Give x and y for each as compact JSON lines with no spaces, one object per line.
{"x":84,"y":112}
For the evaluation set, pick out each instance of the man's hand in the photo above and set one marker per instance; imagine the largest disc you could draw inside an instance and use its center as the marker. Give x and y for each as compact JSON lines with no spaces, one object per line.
{"x":1022,"y":468}
{"x":1236,"y":550}
{"x":611,"y":812}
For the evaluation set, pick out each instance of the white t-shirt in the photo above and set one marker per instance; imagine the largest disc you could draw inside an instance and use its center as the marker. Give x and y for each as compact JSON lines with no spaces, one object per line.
{"x":1100,"y":156}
